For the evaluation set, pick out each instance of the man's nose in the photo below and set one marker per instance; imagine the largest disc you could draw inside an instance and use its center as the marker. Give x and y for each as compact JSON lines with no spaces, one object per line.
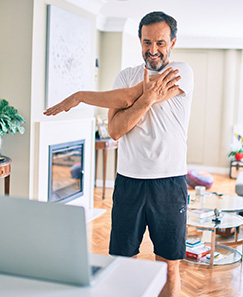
{"x":153,"y":49}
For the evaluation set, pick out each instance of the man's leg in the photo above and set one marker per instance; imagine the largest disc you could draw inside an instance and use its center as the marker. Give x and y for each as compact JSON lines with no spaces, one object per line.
{"x":172,"y":287}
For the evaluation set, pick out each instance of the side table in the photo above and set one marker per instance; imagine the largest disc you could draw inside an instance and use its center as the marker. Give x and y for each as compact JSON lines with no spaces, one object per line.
{"x":230,"y":255}
{"x":5,"y":170}
{"x":105,"y":144}
{"x":235,"y":168}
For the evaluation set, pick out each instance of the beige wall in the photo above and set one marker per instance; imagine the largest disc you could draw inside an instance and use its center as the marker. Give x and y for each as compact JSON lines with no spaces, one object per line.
{"x":214,"y":106}
{"x":22,"y":80}
{"x":16,"y":19}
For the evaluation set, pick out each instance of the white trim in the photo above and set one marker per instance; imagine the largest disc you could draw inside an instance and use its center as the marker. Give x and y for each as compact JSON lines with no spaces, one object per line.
{"x":108,"y":183}
{"x":209,"y":42}
{"x":92,"y":6}
{"x":108,"y":24}
{"x":218,"y":170}
{"x":240,"y":98}
{"x":94,"y":213}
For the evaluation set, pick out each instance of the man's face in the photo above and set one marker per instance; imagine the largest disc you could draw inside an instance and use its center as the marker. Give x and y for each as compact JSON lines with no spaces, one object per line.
{"x":156,"y":45}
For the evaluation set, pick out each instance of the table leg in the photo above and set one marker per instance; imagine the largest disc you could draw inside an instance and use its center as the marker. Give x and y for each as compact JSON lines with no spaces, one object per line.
{"x":115,"y":162}
{"x":104,"y":171}
{"x":212,"y":247}
{"x":7,"y":184}
{"x":96,"y":166}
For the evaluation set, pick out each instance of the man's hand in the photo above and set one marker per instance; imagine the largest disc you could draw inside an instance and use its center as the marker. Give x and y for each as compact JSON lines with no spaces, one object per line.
{"x":162,"y":86}
{"x":64,"y":105}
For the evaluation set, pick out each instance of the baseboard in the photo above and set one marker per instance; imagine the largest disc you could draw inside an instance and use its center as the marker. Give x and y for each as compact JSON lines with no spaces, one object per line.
{"x":210,"y":169}
{"x":94,"y":213}
{"x":108,"y":183}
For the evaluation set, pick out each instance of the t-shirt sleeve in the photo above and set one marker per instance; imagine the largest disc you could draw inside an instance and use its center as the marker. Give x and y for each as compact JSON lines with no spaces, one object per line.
{"x":121,"y":80}
{"x":186,"y":83}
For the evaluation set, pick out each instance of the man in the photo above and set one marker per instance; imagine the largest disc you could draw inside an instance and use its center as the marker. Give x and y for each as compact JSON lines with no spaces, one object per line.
{"x":151,"y":120}
{"x":150,"y":188}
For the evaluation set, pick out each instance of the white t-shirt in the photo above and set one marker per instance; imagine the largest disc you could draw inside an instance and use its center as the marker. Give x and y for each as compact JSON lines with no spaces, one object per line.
{"x":156,"y":146}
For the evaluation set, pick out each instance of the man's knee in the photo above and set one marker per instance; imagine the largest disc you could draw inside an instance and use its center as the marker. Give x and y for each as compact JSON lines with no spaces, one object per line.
{"x":172,"y":265}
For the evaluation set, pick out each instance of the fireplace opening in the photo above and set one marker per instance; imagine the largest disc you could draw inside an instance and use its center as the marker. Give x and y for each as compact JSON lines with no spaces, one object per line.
{"x":66,"y":171}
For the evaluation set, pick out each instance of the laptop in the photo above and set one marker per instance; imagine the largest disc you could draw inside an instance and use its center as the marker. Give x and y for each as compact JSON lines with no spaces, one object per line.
{"x":47,"y":240}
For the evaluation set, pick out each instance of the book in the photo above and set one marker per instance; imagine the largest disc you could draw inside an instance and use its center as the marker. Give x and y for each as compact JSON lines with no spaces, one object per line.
{"x":197,"y":253}
{"x":193,"y":243}
{"x":216,"y":254}
{"x":217,"y":257}
{"x":201,"y":213}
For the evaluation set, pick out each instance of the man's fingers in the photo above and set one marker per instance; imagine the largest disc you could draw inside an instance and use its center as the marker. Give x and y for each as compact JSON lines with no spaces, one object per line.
{"x":173,"y":81}
{"x":146,"y":76}
{"x":171,"y":75}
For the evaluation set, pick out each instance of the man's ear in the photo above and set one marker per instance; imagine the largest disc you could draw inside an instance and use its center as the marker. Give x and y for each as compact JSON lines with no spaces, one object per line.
{"x":173,"y":43}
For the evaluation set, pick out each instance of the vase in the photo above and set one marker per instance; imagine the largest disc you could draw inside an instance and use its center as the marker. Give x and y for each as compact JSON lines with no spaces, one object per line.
{"x":239,"y":156}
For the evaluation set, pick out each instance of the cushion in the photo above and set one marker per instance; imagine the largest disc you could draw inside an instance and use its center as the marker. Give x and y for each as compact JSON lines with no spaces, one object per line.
{"x":199,"y":178}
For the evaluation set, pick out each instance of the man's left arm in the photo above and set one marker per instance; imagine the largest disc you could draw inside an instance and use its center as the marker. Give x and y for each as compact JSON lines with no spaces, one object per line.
{"x":121,"y":121}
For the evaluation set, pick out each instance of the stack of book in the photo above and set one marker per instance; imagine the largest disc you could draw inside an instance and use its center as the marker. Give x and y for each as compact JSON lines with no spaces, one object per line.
{"x":196,"y":249}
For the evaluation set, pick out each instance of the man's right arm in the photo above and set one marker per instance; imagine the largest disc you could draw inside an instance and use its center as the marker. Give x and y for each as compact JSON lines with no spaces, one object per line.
{"x":120,"y":98}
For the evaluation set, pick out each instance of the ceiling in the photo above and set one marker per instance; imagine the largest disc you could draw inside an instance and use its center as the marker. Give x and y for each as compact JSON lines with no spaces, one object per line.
{"x":220,"y":18}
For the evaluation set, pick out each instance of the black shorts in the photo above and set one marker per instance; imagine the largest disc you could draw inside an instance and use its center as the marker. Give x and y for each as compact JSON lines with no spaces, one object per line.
{"x":159,"y":204}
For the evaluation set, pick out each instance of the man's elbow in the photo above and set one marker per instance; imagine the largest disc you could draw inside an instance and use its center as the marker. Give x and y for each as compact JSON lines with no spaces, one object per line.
{"x":114,"y":135}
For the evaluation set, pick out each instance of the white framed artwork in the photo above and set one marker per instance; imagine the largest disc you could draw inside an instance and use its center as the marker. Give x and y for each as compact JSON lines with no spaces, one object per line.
{"x":68,"y":58}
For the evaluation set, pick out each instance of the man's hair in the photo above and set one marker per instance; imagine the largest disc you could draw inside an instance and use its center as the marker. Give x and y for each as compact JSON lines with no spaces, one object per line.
{"x":158,"y":17}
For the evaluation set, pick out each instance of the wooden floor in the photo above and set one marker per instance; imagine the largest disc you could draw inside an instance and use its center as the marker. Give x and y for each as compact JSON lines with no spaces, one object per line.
{"x":219,"y":281}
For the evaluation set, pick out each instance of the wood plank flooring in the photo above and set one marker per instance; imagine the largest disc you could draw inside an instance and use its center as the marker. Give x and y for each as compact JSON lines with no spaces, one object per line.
{"x":217,"y":282}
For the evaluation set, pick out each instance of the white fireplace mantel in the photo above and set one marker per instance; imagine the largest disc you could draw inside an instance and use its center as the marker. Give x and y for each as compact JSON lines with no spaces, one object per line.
{"x":56,"y":132}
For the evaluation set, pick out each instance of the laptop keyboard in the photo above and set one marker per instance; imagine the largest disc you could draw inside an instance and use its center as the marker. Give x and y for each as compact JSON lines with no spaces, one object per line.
{"x":95,"y":269}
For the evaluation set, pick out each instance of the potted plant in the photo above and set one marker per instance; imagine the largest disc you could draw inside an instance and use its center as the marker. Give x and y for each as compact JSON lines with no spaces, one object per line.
{"x":238,"y":152}
{"x":10,"y":120}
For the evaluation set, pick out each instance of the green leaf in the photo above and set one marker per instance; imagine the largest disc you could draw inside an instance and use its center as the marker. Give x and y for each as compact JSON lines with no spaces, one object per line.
{"x":3,"y":103}
{"x":10,"y":120}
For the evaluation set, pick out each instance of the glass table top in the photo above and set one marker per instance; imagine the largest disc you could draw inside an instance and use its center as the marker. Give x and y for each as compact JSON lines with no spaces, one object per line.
{"x":228,"y":256}
{"x":222,"y":202}
{"x":226,"y":221}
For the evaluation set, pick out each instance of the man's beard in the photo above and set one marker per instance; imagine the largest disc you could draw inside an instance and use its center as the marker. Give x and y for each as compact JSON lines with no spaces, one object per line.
{"x":154,"y":65}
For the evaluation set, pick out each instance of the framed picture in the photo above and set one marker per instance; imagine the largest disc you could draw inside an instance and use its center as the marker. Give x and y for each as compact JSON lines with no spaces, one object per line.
{"x":68,"y":65}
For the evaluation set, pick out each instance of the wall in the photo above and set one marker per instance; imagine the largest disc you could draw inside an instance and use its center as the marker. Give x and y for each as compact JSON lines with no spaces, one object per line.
{"x":22,"y":82}
{"x":16,"y":19}
{"x":38,"y":79}
{"x":118,"y":50}
{"x":214,"y":106}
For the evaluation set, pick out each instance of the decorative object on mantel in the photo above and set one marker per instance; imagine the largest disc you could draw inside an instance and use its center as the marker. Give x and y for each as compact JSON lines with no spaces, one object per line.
{"x":237,"y":153}
{"x":102,"y":128}
{"x":10,"y":121}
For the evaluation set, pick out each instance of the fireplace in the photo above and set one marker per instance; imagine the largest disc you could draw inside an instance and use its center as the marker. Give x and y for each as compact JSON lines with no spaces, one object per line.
{"x":66,"y":171}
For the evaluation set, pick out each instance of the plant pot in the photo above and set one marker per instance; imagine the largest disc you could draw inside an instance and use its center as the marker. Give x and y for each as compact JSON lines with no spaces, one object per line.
{"x":238,"y":156}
